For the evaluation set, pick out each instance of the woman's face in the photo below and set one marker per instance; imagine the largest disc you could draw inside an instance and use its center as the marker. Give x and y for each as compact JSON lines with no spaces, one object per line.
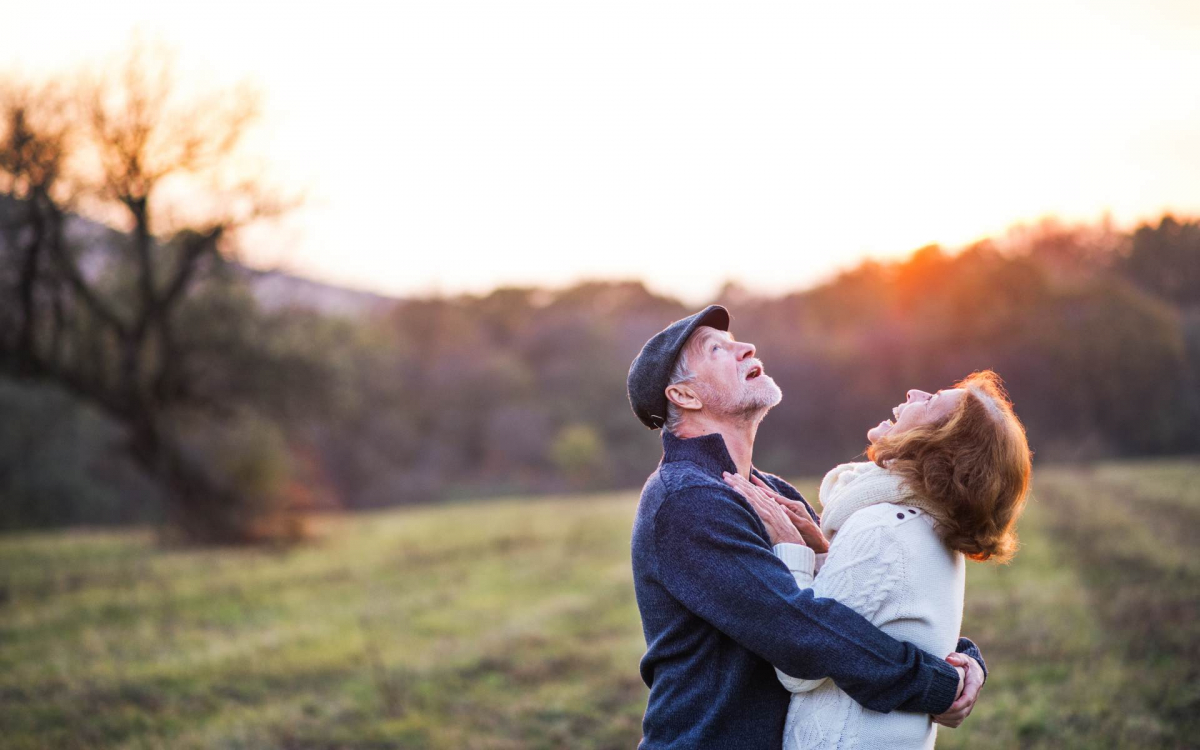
{"x":920,"y":408}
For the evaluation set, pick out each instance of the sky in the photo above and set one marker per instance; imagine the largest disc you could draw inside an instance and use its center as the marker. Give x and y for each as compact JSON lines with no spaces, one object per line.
{"x":456,"y":146}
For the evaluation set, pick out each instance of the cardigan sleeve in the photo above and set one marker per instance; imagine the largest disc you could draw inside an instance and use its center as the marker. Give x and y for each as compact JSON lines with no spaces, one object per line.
{"x":967,"y":647}
{"x":713,"y":558}
{"x":861,"y":571}
{"x":803,"y":568}
{"x":800,"y":560}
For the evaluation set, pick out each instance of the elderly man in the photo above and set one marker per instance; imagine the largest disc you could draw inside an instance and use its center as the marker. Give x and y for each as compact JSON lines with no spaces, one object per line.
{"x":719,"y":609}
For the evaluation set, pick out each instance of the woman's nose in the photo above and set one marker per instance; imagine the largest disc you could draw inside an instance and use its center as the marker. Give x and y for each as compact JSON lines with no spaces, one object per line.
{"x":915,"y":395}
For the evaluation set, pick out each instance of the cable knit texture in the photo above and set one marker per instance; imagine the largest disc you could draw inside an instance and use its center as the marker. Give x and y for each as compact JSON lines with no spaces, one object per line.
{"x":887,"y":563}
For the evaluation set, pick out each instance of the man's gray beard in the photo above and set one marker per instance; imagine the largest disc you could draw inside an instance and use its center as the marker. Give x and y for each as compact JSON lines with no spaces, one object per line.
{"x":752,"y":404}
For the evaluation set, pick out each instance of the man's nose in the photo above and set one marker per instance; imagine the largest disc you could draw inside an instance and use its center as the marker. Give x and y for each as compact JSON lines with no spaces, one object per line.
{"x":747,"y":350}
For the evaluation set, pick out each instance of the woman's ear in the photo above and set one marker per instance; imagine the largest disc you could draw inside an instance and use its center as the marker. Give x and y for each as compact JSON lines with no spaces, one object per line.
{"x":683,"y":396}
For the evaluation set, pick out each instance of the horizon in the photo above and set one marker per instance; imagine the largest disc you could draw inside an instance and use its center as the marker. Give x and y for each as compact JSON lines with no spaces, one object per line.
{"x":830,"y":277}
{"x":1002,"y":242}
{"x":544,"y":146}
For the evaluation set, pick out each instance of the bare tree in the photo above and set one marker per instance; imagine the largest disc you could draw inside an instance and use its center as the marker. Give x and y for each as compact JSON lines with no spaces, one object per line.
{"x":32,"y":159}
{"x":127,"y":148}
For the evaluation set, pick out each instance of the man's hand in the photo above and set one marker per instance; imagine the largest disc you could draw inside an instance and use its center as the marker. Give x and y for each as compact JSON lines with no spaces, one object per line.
{"x":970,"y":685}
{"x":798,"y":514}
{"x":779,"y":526}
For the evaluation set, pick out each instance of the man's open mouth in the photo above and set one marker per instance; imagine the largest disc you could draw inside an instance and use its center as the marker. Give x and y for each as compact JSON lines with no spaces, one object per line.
{"x":754,"y":372}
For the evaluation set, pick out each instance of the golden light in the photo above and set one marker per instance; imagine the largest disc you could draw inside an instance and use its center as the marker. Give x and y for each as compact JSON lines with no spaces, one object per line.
{"x":457,"y":146}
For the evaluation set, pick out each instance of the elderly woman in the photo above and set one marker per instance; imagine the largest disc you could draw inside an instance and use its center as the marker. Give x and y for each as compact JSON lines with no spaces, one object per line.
{"x":945,"y":482}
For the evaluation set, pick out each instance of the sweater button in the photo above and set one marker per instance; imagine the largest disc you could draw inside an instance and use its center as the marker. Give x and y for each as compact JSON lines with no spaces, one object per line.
{"x":899,"y":515}
{"x":912,"y":510}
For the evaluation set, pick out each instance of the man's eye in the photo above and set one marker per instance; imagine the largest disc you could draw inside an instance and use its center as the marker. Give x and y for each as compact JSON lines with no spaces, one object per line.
{"x":716,"y":347}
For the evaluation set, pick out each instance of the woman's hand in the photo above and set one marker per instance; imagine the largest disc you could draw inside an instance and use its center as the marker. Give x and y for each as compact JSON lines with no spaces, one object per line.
{"x":779,"y":526}
{"x":798,"y":515}
{"x":970,"y":680}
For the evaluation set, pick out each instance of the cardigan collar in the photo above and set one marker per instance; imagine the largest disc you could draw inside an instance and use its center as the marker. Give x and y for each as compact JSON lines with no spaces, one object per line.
{"x":706,"y":451}
{"x":853,"y":486}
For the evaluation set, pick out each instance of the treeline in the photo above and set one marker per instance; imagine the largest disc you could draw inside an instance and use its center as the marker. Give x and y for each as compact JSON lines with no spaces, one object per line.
{"x":1096,"y":332}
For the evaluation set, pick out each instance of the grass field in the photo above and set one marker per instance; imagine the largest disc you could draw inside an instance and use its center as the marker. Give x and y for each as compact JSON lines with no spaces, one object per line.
{"x":513,"y":625}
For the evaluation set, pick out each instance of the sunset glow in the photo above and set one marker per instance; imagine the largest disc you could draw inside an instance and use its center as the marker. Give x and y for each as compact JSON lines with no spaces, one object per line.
{"x":457,"y":146}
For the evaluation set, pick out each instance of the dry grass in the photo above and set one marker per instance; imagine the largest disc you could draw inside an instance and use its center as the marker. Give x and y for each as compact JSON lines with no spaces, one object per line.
{"x":513,"y":625}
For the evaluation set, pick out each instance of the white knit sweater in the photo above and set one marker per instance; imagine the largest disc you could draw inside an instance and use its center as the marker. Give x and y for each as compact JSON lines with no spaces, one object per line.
{"x":887,"y":563}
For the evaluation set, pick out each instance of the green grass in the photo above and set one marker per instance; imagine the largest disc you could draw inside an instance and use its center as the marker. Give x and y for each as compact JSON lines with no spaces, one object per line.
{"x":513,"y":625}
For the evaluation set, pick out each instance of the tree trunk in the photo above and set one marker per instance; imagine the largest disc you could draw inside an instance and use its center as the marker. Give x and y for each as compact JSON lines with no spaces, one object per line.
{"x":200,"y":510}
{"x":26,"y":356}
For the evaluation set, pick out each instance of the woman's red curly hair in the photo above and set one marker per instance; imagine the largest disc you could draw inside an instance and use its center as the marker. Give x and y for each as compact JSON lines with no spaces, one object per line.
{"x":974,"y":465}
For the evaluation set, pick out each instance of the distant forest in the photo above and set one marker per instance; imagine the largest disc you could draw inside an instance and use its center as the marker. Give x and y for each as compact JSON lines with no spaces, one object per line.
{"x":1096,"y":333}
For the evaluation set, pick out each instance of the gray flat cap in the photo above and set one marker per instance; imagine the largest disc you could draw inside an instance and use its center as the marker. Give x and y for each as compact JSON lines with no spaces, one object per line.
{"x":651,"y":369}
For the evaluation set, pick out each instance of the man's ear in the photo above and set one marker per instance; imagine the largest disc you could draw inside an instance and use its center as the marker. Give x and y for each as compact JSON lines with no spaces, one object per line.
{"x":683,"y":396}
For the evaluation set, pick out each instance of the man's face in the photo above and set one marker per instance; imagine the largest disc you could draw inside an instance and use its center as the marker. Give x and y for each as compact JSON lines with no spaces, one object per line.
{"x":730,"y":380}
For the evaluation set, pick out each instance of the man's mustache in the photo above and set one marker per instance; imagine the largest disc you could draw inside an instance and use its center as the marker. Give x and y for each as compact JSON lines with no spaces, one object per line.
{"x":751,"y":365}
